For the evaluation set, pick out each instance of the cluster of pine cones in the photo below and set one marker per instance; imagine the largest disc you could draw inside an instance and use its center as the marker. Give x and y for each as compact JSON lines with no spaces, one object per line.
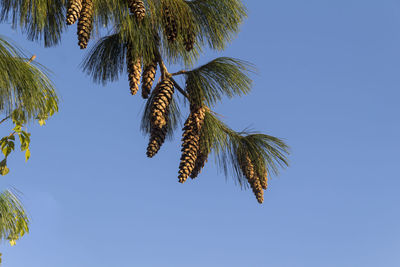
{"x":82,"y":11}
{"x":258,"y":181}
{"x":194,"y":152}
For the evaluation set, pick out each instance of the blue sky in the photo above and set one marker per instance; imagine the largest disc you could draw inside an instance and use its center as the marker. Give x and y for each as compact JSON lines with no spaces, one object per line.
{"x":328,"y":83}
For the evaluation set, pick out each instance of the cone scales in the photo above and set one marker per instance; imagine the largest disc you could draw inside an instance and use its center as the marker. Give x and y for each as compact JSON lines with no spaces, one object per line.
{"x":201,"y":160}
{"x":85,"y":23}
{"x":149,"y":75}
{"x":134,"y":67}
{"x":248,"y":170}
{"x":159,"y":116}
{"x":137,"y":7}
{"x":190,"y":142}
{"x":73,"y":11}
{"x":157,"y":138}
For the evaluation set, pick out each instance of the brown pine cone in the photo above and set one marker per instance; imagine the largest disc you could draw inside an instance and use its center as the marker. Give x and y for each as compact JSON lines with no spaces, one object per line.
{"x":161,"y":102}
{"x":253,"y":179}
{"x":201,"y":160}
{"x":157,"y":138}
{"x":137,"y":7}
{"x":73,"y":11}
{"x":148,"y":77}
{"x":85,"y":23}
{"x":247,"y":168}
{"x":190,"y":142}
{"x":263,"y":177}
{"x":257,"y":189}
{"x":134,"y":67}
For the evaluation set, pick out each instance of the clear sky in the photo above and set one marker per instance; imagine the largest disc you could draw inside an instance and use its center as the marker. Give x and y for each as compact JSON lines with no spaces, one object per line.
{"x":328,"y":84}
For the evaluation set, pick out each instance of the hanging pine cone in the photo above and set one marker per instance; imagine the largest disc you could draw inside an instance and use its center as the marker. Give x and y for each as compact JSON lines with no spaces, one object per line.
{"x":149,"y":74}
{"x":263,"y":177}
{"x":190,"y":142}
{"x":189,"y":40}
{"x":171,"y":28}
{"x":134,"y":67}
{"x":160,"y":103}
{"x":201,"y":160}
{"x":157,"y":138}
{"x":257,"y":189}
{"x":137,"y":7}
{"x":85,"y":23}
{"x":248,"y":170}
{"x":73,"y":11}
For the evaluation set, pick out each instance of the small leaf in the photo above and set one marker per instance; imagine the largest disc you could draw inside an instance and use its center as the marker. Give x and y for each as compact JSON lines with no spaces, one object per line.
{"x":12,"y":242}
{"x":42,"y":122}
{"x":17,"y":128}
{"x":27,"y":154}
{"x":6,"y":151}
{"x":4,"y":170}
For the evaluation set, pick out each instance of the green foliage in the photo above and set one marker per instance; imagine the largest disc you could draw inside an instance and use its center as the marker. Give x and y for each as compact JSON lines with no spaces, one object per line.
{"x":39,"y":19}
{"x":26,"y":94}
{"x":14,"y":222}
{"x":24,"y":87}
{"x":173,"y":118}
{"x":212,"y":24}
{"x":222,"y":76}
{"x":229,"y":146}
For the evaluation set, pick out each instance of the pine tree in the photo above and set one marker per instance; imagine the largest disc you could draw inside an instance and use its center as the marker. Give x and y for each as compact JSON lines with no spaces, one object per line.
{"x":163,"y":32}
{"x":26,"y":95}
{"x":14,"y":222}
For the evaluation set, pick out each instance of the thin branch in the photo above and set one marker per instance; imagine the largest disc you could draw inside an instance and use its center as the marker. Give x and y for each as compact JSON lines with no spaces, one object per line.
{"x":177,"y":86}
{"x":31,"y":59}
{"x":178,"y":73}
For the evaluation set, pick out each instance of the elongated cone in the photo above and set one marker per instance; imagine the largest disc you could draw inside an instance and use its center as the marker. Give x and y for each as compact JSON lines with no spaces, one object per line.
{"x":264,"y":179}
{"x":134,"y":67}
{"x":160,"y":103}
{"x":257,"y":190}
{"x":148,"y":77}
{"x":171,"y":28}
{"x":248,"y":170}
{"x":201,"y":160}
{"x":157,"y":138}
{"x":137,"y":7}
{"x":190,"y":142}
{"x":73,"y":11}
{"x":85,"y":23}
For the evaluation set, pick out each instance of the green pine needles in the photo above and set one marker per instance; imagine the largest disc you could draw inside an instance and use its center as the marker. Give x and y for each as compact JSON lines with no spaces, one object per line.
{"x":26,"y":94}
{"x":153,"y":34}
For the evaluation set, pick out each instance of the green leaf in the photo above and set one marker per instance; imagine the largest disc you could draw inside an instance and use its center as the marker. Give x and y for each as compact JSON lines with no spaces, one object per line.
{"x":17,"y":128}
{"x":6,"y":150}
{"x":42,"y":122}
{"x":4,"y":170}
{"x":27,"y":154}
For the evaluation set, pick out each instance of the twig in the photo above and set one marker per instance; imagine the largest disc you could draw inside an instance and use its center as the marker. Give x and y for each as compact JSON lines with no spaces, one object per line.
{"x":179,"y":73}
{"x":31,"y":59}
{"x":177,"y":86}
